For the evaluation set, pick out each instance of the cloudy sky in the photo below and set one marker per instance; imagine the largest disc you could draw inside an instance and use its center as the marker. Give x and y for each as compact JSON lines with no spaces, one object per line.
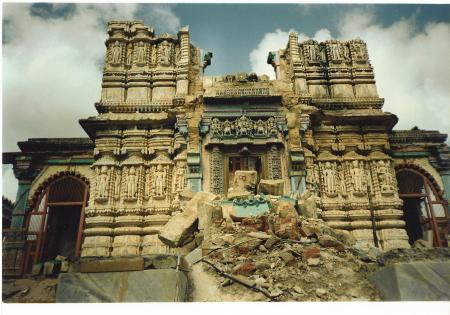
{"x":53,"y":55}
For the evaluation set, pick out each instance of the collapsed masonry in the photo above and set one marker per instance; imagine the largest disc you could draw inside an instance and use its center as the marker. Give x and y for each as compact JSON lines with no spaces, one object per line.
{"x":164,"y":131}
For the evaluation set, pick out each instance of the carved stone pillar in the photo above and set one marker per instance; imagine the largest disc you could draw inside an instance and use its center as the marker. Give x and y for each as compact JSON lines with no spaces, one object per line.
{"x":216,"y":171}
{"x":274,"y":163}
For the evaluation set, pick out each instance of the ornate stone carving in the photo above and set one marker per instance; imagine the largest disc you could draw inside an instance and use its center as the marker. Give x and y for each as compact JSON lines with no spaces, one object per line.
{"x":385,"y":177}
{"x":244,"y":127}
{"x":116,"y":54}
{"x":164,"y":53}
{"x":330,"y":186}
{"x":216,"y":171}
{"x":274,"y":162}
{"x":131,"y":183}
{"x":357,"y":176}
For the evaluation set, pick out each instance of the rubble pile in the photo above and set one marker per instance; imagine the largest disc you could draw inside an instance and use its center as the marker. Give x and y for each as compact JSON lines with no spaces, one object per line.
{"x":286,"y":257}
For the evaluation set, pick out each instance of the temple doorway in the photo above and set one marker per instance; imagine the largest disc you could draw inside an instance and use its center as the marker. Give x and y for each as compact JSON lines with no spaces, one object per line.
{"x":425,"y":212}
{"x":55,"y":225}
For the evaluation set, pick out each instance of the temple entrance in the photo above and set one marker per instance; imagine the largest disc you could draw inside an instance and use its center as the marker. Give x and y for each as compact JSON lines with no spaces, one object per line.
{"x":425,"y":213}
{"x":55,"y":225}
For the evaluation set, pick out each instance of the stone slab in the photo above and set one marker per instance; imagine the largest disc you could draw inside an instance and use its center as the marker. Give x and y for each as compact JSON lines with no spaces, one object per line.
{"x":112,"y":264}
{"x":415,"y":281}
{"x":178,"y":229}
{"x":163,"y":285}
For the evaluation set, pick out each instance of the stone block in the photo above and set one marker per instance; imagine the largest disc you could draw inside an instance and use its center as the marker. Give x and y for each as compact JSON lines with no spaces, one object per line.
{"x":187,"y":194}
{"x":329,"y":241}
{"x":198,"y":199}
{"x":207,"y":214}
{"x":273,"y":187}
{"x":285,"y":207}
{"x":244,"y":180}
{"x":160,"y":261}
{"x":112,"y":264}
{"x":163,"y":285}
{"x":415,"y":281}
{"x":193,"y":256}
{"x":179,"y":228}
{"x":307,"y":205}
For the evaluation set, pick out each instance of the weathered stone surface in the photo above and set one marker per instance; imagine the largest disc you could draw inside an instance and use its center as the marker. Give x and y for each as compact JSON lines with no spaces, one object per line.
{"x":244,"y":180}
{"x":416,"y":281}
{"x":179,"y":228}
{"x":160,"y":261}
{"x":165,"y":285}
{"x":207,"y":214}
{"x":285,"y":207}
{"x":187,"y":194}
{"x":273,"y":187}
{"x":194,"y":256}
{"x":307,"y":205}
{"x":329,"y":241}
{"x":89,"y":265}
{"x":198,"y":199}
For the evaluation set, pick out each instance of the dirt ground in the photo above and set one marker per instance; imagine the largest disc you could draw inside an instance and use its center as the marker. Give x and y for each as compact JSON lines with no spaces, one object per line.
{"x":29,"y":290}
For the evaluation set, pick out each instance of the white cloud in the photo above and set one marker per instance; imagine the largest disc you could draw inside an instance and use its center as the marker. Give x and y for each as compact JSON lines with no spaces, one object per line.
{"x":52,"y":67}
{"x":9,"y":183}
{"x":274,"y":41}
{"x":412,"y":68}
{"x":161,"y":15}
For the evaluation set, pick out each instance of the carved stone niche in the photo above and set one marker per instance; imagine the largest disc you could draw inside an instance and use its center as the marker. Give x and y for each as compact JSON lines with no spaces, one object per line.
{"x":356,"y":177}
{"x":132,"y":179}
{"x":103,"y":189}
{"x":158,"y":181}
{"x":311,"y":52}
{"x":179,"y":177}
{"x":358,"y":50}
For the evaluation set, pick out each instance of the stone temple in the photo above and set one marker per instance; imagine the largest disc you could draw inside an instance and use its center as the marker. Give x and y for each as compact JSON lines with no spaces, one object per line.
{"x":317,"y":134}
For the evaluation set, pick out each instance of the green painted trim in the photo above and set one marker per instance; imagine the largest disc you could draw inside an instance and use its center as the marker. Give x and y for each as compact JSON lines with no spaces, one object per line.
{"x":410,"y":154}
{"x":70,"y":161}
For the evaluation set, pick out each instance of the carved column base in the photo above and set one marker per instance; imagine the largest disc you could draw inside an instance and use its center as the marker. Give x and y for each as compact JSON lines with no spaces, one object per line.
{"x":96,"y":246}
{"x":152,"y":245}
{"x":393,"y":238}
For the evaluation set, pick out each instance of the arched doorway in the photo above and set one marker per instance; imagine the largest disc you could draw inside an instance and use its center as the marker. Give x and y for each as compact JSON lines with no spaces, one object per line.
{"x":425,"y":212}
{"x":55,"y":224}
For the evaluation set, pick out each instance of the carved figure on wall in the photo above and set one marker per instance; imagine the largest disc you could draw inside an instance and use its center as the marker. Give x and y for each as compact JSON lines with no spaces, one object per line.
{"x":260,"y":127}
{"x":335,"y":52}
{"x":345,"y":52}
{"x":341,"y":177}
{"x":131,"y":183}
{"x":129,"y":54}
{"x":147,"y":183}
{"x":117,"y":186}
{"x":271,"y":126}
{"x":329,"y":175}
{"x":116,"y":52}
{"x":159,"y":180}
{"x":103,"y":182}
{"x":357,"y":177}
{"x":164,"y":54}
{"x":243,"y":125}
{"x":180,"y":175}
{"x":216,"y":127}
{"x":314,"y":54}
{"x":384,"y":175}
{"x":227,"y":127}
{"x":360,"y":51}
{"x":141,"y":53}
